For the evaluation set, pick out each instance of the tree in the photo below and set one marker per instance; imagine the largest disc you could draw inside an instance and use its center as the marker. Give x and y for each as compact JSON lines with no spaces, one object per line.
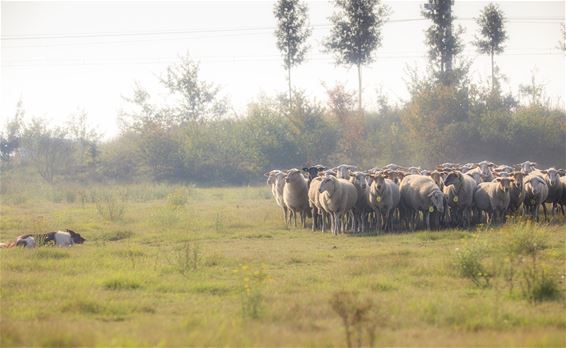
{"x":197,"y":100}
{"x":356,"y":33}
{"x":444,"y":44}
{"x":10,"y":143}
{"x":493,"y":35}
{"x":292,"y":33}
{"x":532,"y":90}
{"x":48,"y":150}
{"x":562,"y":42}
{"x":84,"y":137}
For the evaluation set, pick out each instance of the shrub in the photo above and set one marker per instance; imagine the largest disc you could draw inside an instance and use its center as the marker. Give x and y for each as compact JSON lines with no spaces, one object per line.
{"x":70,"y":196}
{"x":358,"y":316}
{"x":468,"y":261}
{"x":110,"y":206}
{"x":178,"y":198}
{"x":186,"y":259}
{"x":251,"y":286}
{"x":523,"y":246}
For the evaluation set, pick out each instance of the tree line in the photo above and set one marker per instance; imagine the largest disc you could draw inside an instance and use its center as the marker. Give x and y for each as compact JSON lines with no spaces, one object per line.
{"x":193,"y":137}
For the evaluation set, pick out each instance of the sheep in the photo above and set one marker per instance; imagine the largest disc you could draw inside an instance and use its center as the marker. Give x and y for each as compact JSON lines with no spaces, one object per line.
{"x":552,"y":179}
{"x":563,"y":197}
{"x":476,"y":174}
{"x":383,"y":198}
{"x":276,"y":179}
{"x":419,"y":193}
{"x":526,"y":167}
{"x":313,"y":171}
{"x":493,"y":198}
{"x":338,"y":197}
{"x":516,"y":193}
{"x":295,"y":195}
{"x":437,"y":177}
{"x":361,"y":208}
{"x":536,"y":192}
{"x":461,"y":196}
{"x":414,"y":170}
{"x":343,"y":171}
{"x":318,"y":213}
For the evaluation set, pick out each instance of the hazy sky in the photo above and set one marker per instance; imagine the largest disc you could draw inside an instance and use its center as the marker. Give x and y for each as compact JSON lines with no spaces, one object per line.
{"x":63,"y":56}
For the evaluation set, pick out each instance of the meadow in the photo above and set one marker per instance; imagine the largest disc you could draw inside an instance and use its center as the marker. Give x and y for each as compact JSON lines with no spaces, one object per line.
{"x":168,"y":265}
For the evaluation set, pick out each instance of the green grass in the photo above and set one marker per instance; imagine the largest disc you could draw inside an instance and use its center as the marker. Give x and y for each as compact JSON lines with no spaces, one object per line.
{"x":219,"y":268}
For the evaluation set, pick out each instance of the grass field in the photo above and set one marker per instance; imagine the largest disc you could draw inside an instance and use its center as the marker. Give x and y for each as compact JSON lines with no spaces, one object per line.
{"x":177,"y":266}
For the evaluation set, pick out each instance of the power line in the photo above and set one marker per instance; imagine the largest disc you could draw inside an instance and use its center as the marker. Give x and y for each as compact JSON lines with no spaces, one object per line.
{"x":241,"y":29}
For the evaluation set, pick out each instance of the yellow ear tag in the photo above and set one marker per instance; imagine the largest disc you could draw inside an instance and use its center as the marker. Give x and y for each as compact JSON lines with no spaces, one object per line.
{"x":378,"y":198}
{"x":430,"y":209}
{"x":455,"y":199}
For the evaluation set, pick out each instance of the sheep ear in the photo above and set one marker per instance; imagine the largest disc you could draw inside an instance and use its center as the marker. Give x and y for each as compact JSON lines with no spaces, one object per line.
{"x":544,"y":171}
{"x":499,"y":179}
{"x":267,"y":174}
{"x":305,"y":169}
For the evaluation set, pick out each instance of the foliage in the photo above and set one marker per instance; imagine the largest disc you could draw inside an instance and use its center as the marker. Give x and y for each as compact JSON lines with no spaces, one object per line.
{"x":292,"y":33}
{"x":251,"y":284}
{"x":186,"y":258}
{"x":444,"y":42}
{"x":468,"y":260}
{"x":356,"y":33}
{"x":359,"y":317}
{"x":111,"y":206}
{"x":493,"y":35}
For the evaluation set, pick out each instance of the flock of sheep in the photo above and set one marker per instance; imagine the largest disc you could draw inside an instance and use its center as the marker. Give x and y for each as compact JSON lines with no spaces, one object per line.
{"x":395,"y":197}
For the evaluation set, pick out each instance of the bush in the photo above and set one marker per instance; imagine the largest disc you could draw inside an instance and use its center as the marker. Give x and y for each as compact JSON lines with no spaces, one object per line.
{"x":251,"y":284}
{"x":468,"y":262}
{"x":110,"y":206}
{"x":358,"y":316}
{"x":178,"y":198}
{"x":186,"y":259}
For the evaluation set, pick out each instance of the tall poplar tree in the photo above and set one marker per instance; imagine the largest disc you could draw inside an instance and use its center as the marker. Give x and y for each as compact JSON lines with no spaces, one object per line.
{"x":491,"y":22}
{"x":292,"y":33}
{"x":444,"y":42}
{"x":356,"y":33}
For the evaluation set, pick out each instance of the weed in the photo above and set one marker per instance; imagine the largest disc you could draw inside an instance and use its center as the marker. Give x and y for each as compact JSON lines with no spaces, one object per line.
{"x":178,"y":198}
{"x":219,"y":223}
{"x":50,"y":254}
{"x":110,"y":206}
{"x":117,"y":235}
{"x":468,"y":262}
{"x":186,"y":259}
{"x":358,"y":316}
{"x":70,"y":196}
{"x":251,"y":286}
{"x":523,"y":265}
{"x":121,"y":284}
